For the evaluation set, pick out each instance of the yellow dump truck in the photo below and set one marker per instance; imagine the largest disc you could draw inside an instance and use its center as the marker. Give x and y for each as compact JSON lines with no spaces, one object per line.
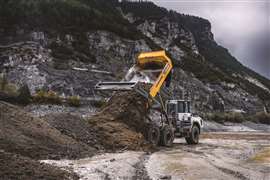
{"x":176,"y":118}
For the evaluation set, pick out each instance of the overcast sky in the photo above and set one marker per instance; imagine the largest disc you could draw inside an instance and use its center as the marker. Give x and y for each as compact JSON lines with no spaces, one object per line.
{"x":242,"y":26}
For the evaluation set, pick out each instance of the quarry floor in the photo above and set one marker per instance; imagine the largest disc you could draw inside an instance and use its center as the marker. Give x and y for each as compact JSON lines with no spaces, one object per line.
{"x":219,"y":155}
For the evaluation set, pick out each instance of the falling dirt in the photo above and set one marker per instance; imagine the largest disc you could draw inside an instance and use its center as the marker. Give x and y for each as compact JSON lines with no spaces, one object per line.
{"x":121,"y":122}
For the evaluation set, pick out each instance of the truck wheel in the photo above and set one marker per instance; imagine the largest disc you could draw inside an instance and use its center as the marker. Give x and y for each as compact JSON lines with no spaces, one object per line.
{"x":194,"y":136}
{"x":167,"y":136}
{"x":153,"y":135}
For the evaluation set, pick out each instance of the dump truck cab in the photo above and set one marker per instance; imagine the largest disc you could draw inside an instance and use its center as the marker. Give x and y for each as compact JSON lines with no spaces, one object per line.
{"x":186,"y":123}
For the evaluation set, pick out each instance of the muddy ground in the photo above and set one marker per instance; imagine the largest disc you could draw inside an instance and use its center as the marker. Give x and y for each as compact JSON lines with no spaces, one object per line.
{"x":76,"y":128}
{"x":14,"y":166}
{"x":222,"y":155}
{"x":117,"y":129}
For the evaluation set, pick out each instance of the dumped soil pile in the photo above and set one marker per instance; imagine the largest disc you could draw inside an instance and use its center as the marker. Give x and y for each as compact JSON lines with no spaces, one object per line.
{"x":18,"y":167}
{"x":75,"y":127}
{"x":120,"y":124}
{"x":22,"y":134}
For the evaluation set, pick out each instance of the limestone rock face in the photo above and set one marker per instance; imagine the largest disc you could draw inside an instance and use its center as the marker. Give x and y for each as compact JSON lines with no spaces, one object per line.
{"x":71,"y":62}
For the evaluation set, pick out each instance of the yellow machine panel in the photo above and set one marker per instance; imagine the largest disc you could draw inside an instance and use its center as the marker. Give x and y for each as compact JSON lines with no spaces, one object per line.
{"x":158,"y":58}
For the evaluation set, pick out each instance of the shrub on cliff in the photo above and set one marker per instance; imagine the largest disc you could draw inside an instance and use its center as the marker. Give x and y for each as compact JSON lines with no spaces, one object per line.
{"x":260,"y":117}
{"x":24,"y":96}
{"x":225,"y":117}
{"x":47,"y":97}
{"x":74,"y":101}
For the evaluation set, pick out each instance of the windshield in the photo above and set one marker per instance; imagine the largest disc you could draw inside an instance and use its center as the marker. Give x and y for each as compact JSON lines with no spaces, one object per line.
{"x":181,"y":107}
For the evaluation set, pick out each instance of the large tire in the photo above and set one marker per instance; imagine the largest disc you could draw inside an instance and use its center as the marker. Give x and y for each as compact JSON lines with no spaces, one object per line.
{"x":194,"y":136}
{"x":153,"y":134}
{"x":167,"y":136}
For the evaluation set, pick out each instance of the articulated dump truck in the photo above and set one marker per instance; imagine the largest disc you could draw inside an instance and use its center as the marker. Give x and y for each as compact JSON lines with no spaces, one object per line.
{"x":175,"y":116}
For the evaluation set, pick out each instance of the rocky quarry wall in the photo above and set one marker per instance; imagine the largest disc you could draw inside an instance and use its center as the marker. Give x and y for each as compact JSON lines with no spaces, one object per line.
{"x":72,"y":63}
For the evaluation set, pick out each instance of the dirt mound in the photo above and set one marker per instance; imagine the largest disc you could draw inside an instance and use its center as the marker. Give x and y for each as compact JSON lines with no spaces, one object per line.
{"x":18,"y":167}
{"x":75,"y":127}
{"x":25,"y":135}
{"x":121,"y":122}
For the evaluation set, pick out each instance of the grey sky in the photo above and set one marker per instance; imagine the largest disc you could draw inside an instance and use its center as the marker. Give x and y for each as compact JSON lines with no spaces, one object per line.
{"x":242,"y":26}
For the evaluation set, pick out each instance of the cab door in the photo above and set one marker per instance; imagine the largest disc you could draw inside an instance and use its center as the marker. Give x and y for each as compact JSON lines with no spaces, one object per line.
{"x":172,"y":112}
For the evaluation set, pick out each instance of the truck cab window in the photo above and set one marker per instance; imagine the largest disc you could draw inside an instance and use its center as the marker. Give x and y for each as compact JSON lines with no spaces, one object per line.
{"x":181,"y":107}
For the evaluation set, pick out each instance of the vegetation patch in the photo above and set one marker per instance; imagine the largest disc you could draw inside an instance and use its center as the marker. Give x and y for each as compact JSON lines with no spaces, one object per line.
{"x":204,"y":71}
{"x":65,"y":16}
{"x":260,"y":117}
{"x":8,"y":88}
{"x":47,"y":97}
{"x":98,"y":103}
{"x":141,"y":9}
{"x":263,"y":156}
{"x":234,"y":117}
{"x":51,"y":97}
{"x":74,"y":101}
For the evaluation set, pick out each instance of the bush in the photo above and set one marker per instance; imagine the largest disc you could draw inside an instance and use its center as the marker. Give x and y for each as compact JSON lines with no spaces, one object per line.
{"x":53,"y":97}
{"x":11,"y":89}
{"x":47,"y":97}
{"x":40,"y":95}
{"x":3,"y":82}
{"x":74,"y":101}
{"x":260,"y":117}
{"x":214,"y":117}
{"x":98,"y":103}
{"x":24,"y":95}
{"x":225,"y":117}
{"x":8,"y":88}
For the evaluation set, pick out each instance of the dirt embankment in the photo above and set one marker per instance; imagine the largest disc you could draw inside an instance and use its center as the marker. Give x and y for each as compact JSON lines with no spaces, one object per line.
{"x":75,"y":127}
{"x":118,"y":125}
{"x":25,"y":135}
{"x":14,"y":166}
{"x":23,"y":138}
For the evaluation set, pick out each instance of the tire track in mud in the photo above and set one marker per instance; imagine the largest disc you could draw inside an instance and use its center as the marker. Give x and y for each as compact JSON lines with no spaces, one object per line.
{"x":141,"y":172}
{"x":106,"y":176}
{"x":202,"y":151}
{"x":233,"y":173}
{"x":227,"y":171}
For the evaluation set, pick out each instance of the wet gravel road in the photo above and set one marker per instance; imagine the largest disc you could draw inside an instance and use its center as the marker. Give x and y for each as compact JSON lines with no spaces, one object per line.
{"x":224,"y":155}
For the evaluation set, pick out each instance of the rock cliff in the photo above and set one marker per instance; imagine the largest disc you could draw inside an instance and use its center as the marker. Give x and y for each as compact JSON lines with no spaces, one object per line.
{"x":68,"y":46}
